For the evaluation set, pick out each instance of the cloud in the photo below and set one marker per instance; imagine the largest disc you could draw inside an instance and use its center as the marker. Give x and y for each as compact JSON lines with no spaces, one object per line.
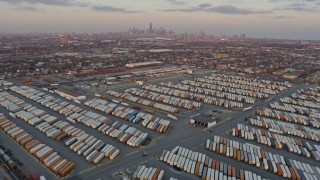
{"x":27,"y":8}
{"x":230,"y":9}
{"x":111,"y":9}
{"x":223,"y":9}
{"x":177,"y":2}
{"x":283,"y":17}
{"x":205,"y":5}
{"x":66,"y":3}
{"x":48,"y":2}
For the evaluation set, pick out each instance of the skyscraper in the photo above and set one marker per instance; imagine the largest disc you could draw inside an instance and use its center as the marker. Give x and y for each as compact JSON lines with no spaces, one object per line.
{"x":150,"y":29}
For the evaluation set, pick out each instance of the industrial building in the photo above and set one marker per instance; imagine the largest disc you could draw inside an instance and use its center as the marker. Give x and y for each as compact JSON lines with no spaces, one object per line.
{"x":144,"y":64}
{"x":71,"y":95}
{"x":204,"y":121}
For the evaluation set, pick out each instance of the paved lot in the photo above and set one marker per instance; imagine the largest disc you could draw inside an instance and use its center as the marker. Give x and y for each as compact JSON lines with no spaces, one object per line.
{"x":181,"y":134}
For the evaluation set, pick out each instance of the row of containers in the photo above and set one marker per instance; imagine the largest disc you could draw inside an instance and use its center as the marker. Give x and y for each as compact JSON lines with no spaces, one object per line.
{"x":148,"y":173}
{"x":301,"y":103}
{"x":167,"y":88}
{"x":287,"y":128}
{"x":56,"y":129}
{"x":272,"y":138}
{"x":197,"y":88}
{"x":74,"y":113}
{"x":45,"y":154}
{"x":201,"y":83}
{"x":204,"y":166}
{"x":144,"y":102}
{"x":309,"y":94}
{"x":175,"y":101}
{"x":235,"y":86}
{"x":211,"y":93}
{"x":132,"y":115}
{"x":289,"y":117}
{"x":267,"y":84}
{"x":254,"y":155}
{"x":294,"y":108}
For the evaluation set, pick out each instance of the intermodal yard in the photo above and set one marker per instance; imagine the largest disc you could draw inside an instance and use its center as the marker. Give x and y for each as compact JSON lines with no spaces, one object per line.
{"x":207,"y":125}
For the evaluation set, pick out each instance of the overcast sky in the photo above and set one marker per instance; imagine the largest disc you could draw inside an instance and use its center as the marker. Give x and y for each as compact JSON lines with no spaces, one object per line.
{"x":297,"y":19}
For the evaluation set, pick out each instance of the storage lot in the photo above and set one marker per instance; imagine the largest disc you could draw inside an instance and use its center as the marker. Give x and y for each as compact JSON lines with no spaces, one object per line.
{"x":181,"y":134}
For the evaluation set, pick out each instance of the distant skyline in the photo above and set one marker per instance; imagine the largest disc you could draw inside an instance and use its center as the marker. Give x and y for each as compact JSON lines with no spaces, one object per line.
{"x":294,"y":19}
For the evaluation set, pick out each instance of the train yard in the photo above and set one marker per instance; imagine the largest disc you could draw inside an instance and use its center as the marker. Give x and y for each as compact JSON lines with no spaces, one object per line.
{"x":143,"y":131}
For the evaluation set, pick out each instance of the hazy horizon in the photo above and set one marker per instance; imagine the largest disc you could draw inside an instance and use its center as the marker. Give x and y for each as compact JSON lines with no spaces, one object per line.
{"x":287,"y":19}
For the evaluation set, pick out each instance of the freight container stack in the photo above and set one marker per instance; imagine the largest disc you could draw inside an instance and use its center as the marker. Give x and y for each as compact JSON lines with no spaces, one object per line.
{"x":128,"y":114}
{"x":273,"y":85}
{"x":204,"y":166}
{"x":59,"y":130}
{"x":300,"y":102}
{"x":178,"y":102}
{"x":294,"y":109}
{"x":149,"y":173}
{"x":144,"y":102}
{"x":310,"y":94}
{"x":239,"y":91}
{"x":287,"y":128}
{"x":273,"y":138}
{"x":191,"y":87}
{"x":217,"y":101}
{"x":45,"y":154}
{"x":289,"y":117}
{"x":254,"y":155}
{"x":74,"y":114}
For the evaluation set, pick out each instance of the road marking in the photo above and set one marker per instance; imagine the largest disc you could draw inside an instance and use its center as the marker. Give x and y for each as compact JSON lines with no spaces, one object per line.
{"x":195,"y":147}
{"x":145,"y":161}
{"x":86,"y":170}
{"x":130,"y":153}
{"x":102,"y":164}
{"x":159,"y":137}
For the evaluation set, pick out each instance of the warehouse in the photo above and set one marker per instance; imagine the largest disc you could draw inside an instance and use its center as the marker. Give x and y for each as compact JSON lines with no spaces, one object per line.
{"x":204,"y":121}
{"x":144,"y":64}
{"x":72,"y":95}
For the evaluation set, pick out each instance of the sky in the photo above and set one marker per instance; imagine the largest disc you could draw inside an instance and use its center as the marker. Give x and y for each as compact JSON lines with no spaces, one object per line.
{"x":294,"y":19}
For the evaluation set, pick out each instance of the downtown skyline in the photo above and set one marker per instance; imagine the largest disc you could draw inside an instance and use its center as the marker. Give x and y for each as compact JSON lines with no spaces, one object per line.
{"x":293,"y":19}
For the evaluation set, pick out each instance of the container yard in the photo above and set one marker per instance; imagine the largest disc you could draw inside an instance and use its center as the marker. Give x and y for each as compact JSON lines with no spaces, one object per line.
{"x":256,"y":156}
{"x":122,"y":132}
{"x":204,"y":166}
{"x":45,"y":154}
{"x":262,"y":129}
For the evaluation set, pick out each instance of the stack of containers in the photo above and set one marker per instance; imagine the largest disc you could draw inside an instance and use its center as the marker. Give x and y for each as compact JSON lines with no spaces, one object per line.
{"x":299,"y":102}
{"x":238,"y":91}
{"x":273,"y":138}
{"x":197,"y":87}
{"x":178,"y":102}
{"x":202,"y":97}
{"x":203,"y":165}
{"x":254,"y":155}
{"x":273,"y":85}
{"x":290,"y":117}
{"x":287,"y":128}
{"x":128,"y":114}
{"x":45,"y":154}
{"x":143,"y":172}
{"x":57,"y":130}
{"x":144,"y":102}
{"x":74,"y":114}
